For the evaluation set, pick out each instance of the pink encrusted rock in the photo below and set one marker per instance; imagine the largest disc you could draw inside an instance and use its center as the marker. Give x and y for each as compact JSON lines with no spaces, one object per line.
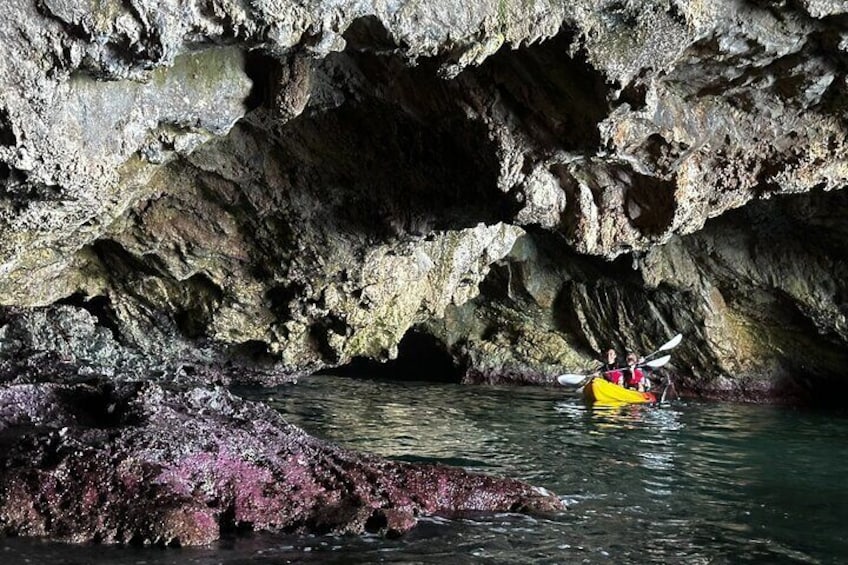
{"x":143,"y":464}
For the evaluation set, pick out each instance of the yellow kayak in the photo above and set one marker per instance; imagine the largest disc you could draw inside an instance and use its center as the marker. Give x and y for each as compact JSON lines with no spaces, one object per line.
{"x":601,"y":391}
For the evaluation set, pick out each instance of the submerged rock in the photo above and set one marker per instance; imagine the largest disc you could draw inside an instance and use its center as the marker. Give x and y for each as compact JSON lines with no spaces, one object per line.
{"x":141,"y":464}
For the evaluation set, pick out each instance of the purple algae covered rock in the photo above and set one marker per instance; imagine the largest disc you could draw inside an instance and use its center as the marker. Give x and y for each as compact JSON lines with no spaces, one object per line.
{"x":137,"y":463}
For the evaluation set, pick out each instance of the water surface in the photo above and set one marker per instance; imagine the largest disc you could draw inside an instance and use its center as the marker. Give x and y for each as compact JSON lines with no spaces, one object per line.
{"x":685,"y":483}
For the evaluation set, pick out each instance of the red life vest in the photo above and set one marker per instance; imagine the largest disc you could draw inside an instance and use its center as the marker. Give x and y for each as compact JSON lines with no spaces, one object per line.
{"x":615,"y":377}
{"x":635,"y":378}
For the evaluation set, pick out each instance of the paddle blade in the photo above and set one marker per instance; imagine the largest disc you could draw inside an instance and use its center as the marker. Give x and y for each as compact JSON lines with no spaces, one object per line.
{"x":570,"y":379}
{"x":658,"y":362}
{"x":672,"y":343}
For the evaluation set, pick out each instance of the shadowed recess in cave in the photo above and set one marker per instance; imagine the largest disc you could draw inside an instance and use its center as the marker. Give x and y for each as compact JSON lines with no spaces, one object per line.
{"x":201,"y":297}
{"x":558,"y":97}
{"x":412,"y":152}
{"x":369,"y":34}
{"x":800,"y":313}
{"x":265,"y":71}
{"x":251,"y":353}
{"x":98,"y":306}
{"x":121,"y":264}
{"x":817,"y":220}
{"x":399,"y":155}
{"x":395,"y":173}
{"x":192,"y":301}
{"x":650,"y":203}
{"x":104,"y":406}
{"x":421,"y":357}
{"x":7,"y":134}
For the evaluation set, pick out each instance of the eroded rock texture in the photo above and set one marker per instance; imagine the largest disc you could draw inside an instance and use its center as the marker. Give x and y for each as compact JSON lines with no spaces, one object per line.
{"x":138,"y":464}
{"x":256,"y":191}
{"x":217,"y":191}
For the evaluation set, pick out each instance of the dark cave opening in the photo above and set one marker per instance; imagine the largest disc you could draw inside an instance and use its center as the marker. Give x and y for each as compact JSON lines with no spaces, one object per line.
{"x":549,"y":88}
{"x":634,"y":94}
{"x":120,"y":263}
{"x":650,"y":203}
{"x":368,"y":33}
{"x":421,"y":357}
{"x":407,"y":152}
{"x":280,"y":297}
{"x":5,"y":175}
{"x":98,"y":306}
{"x":105,"y":406}
{"x":387,"y":172}
{"x":558,"y":97}
{"x":7,"y":134}
{"x":266,"y":72}
{"x":188,"y":307}
{"x":251,"y":353}
{"x":201,"y":296}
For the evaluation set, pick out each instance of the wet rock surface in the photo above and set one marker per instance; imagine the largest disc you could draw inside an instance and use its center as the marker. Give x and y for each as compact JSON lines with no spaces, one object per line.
{"x":137,"y":463}
{"x":202,"y":193}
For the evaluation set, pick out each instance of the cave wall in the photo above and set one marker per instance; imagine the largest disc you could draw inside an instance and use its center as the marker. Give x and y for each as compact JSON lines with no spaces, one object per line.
{"x":273,"y":189}
{"x":759,"y":294}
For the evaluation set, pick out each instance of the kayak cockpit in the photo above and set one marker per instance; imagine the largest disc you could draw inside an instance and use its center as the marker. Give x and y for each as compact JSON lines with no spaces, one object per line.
{"x":601,"y":391}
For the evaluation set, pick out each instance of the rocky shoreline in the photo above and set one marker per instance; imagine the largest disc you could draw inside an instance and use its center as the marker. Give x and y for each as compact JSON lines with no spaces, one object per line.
{"x":138,"y":463}
{"x":195,"y":194}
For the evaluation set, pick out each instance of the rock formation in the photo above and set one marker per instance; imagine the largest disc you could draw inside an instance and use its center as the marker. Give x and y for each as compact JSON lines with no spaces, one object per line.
{"x":138,"y":464}
{"x":210,"y":191}
{"x":284,"y":187}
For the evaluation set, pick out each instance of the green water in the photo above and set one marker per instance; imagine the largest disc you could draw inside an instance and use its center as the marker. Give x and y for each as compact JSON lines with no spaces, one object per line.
{"x":686,"y":483}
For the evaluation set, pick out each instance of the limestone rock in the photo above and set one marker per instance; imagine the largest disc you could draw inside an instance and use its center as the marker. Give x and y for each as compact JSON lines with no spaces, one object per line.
{"x":273,"y":180}
{"x":142,"y":464}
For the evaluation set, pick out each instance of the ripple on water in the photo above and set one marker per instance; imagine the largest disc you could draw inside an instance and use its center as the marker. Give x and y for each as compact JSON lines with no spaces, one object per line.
{"x":684,"y":483}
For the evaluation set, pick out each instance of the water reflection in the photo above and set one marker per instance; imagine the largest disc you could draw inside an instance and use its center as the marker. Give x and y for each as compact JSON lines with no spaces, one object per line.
{"x":643,"y":482}
{"x":685,"y":483}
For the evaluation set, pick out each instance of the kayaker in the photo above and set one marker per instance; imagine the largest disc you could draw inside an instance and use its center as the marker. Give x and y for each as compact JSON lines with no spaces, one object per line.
{"x":634,"y":377}
{"x":611,"y":368}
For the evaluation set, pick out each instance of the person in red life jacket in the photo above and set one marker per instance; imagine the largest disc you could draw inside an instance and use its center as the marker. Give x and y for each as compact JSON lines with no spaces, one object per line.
{"x":611,"y":368}
{"x":634,"y":377}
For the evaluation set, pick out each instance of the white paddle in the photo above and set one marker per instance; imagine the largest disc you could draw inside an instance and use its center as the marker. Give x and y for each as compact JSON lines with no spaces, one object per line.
{"x":670,"y":344}
{"x":571,"y":379}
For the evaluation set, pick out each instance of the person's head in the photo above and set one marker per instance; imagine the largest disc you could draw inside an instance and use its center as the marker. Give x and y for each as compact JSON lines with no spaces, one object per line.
{"x":632,"y":359}
{"x":610,"y":355}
